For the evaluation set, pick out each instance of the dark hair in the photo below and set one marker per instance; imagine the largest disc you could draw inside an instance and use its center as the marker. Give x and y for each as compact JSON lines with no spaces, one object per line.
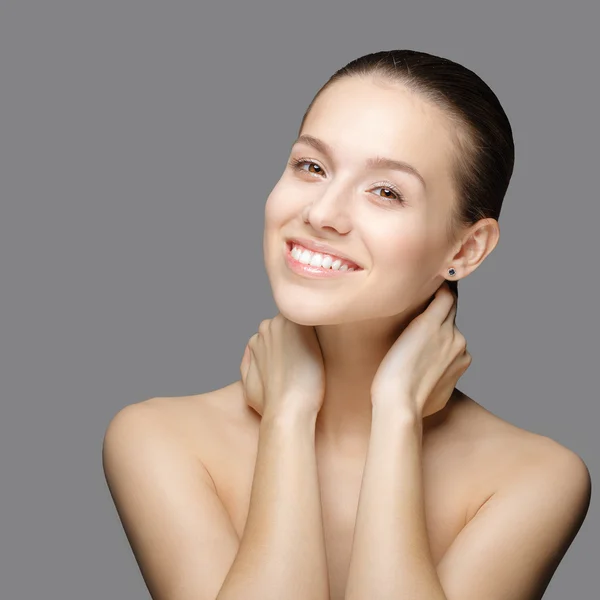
{"x":484,"y":162}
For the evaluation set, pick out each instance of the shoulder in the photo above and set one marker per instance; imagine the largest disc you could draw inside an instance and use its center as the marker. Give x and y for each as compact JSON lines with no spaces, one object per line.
{"x":516,"y":538}
{"x":165,"y":495}
{"x":196,"y":423}
{"x":515,"y":456}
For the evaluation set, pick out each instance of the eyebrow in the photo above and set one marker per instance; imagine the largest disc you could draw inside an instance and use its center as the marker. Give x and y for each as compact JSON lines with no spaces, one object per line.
{"x":377,"y":162}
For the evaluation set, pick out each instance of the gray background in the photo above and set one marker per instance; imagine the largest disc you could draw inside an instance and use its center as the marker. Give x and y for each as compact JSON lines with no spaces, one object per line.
{"x":139,"y":141}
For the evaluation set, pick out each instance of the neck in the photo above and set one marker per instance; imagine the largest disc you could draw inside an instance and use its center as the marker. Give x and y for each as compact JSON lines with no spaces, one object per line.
{"x":352,"y":353}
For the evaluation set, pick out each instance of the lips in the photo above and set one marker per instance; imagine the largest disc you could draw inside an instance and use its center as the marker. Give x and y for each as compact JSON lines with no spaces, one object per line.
{"x":314,"y":246}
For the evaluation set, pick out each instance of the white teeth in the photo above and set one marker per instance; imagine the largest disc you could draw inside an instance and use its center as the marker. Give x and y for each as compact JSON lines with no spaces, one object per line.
{"x":316,"y":259}
{"x":327,"y":262}
{"x":305,"y":257}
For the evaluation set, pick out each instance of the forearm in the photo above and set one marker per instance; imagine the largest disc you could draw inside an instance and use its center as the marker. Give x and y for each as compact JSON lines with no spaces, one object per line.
{"x":282,"y":549}
{"x":391,"y":558}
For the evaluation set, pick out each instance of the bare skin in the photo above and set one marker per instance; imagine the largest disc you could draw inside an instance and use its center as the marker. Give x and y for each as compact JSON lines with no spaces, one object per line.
{"x":469,"y":453}
{"x":181,"y":469}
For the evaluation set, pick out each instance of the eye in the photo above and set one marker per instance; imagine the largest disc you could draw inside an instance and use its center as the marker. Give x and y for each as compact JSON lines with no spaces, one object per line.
{"x":390,"y":187}
{"x":298,"y":163}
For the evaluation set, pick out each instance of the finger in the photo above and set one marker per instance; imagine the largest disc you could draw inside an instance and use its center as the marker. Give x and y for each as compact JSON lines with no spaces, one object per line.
{"x":245,"y":363}
{"x":255,"y":363}
{"x":465,"y":362}
{"x":442,"y":303}
{"x":450,"y":320}
{"x":254,"y":388}
{"x":253,"y":341}
{"x":264,"y":326}
{"x":460,"y":341}
{"x":245,"y":356}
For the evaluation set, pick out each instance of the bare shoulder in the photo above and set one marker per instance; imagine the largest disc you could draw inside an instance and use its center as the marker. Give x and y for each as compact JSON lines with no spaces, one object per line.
{"x":177,"y":524}
{"x":482,"y":425}
{"x":513,"y":543}
{"x":204,"y":422}
{"x":503,"y":453}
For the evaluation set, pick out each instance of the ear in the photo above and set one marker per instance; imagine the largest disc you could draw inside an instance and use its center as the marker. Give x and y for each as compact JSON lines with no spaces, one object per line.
{"x":475,"y":244}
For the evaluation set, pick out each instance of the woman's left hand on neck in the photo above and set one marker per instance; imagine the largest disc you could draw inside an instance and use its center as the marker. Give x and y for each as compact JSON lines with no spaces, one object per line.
{"x":421,"y":369}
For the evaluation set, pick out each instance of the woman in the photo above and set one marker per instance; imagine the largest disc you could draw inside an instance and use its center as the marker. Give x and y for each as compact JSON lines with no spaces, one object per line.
{"x":345,"y":463}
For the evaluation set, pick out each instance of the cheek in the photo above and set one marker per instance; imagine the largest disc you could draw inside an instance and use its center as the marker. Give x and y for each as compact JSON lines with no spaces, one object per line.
{"x":271,"y":205}
{"x":407,"y":248}
{"x":280,"y":210}
{"x":280,"y":206}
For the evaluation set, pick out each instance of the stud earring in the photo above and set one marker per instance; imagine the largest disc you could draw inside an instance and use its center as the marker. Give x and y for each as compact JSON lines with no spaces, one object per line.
{"x":451,"y":271}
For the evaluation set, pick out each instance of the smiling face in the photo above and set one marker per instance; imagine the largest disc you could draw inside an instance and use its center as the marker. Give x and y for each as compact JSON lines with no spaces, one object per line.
{"x":392,"y":221}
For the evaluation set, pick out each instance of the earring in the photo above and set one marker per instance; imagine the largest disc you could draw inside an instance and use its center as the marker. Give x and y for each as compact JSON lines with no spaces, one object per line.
{"x":451,"y":271}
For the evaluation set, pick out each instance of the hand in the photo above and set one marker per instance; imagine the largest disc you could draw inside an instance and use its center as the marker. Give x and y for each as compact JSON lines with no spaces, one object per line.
{"x":424,"y":364}
{"x":282,"y":368}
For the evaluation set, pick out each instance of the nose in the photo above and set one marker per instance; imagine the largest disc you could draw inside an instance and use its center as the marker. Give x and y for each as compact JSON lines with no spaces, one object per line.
{"x":331,"y":209}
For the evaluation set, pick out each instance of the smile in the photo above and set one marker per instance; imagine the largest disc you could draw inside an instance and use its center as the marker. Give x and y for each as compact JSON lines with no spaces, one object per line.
{"x":315,"y":264}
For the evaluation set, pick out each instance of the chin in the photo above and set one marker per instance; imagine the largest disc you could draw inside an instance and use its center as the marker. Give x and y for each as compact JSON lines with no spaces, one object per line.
{"x":302,"y":313}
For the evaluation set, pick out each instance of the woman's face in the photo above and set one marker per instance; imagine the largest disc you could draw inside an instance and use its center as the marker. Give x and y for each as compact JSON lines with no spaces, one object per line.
{"x":388,"y":221}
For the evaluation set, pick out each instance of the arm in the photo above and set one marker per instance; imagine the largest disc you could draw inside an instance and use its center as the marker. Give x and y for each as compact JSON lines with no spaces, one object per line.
{"x":282,"y":550}
{"x":391,"y":558}
{"x":179,"y":531}
{"x":508,"y":551}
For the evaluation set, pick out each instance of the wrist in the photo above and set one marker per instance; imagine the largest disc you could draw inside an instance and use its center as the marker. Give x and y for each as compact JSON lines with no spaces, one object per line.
{"x":395,"y":408}
{"x":290,"y":415}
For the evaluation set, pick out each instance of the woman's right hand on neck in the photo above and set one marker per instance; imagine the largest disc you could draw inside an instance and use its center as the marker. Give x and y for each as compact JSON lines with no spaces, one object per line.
{"x":282,"y":369}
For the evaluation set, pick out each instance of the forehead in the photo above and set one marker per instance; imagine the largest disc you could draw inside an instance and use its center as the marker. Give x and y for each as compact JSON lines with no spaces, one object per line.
{"x":360,"y":118}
